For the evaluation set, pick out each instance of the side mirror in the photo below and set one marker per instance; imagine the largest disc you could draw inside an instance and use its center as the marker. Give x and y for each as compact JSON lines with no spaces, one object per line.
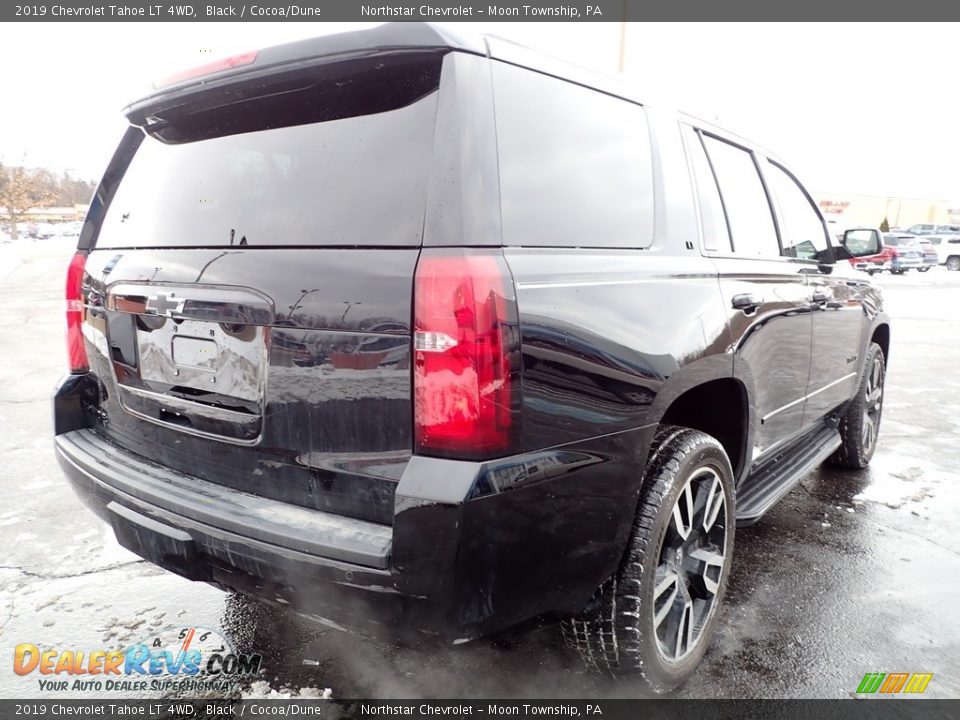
{"x":861,"y":242}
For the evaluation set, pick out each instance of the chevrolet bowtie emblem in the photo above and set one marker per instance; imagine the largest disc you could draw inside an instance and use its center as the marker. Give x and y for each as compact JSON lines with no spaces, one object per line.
{"x":162,"y":305}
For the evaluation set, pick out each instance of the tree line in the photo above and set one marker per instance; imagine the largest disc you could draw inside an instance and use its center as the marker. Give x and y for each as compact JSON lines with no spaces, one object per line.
{"x":23,"y":189}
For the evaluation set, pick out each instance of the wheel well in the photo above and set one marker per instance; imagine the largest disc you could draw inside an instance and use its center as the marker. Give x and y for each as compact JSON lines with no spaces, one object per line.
{"x":881,"y":336}
{"x":718,"y":408}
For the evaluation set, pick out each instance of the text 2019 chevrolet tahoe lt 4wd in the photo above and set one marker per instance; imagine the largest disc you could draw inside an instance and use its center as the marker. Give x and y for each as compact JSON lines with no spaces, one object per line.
{"x":430,"y":334}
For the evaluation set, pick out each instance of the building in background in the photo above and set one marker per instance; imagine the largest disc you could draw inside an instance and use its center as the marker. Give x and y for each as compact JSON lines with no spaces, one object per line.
{"x":52,"y":214}
{"x":848,"y":210}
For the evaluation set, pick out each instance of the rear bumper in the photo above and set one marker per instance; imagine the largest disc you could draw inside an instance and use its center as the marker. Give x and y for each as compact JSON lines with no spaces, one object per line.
{"x":474,"y":548}
{"x":906,"y":264}
{"x":167,"y":495}
{"x":336,"y":569}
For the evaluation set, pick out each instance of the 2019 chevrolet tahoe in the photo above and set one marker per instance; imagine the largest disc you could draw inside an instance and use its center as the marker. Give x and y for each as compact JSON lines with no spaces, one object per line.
{"x":427,"y":334}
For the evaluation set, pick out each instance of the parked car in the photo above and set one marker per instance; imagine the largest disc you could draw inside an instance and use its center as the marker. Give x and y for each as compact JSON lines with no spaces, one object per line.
{"x":896,"y":254}
{"x":605,"y":373}
{"x":69,"y":229}
{"x":906,"y":242}
{"x":930,"y":257}
{"x":947,"y":249}
{"x":932,"y":229}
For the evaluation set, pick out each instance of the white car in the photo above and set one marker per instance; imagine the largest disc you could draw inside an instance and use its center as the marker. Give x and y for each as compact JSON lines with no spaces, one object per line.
{"x":46,"y":230}
{"x":70,"y":229}
{"x":947,"y":248}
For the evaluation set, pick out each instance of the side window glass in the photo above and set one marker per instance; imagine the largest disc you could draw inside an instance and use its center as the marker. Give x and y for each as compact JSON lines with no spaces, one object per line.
{"x":576,"y":167}
{"x":801,"y":232}
{"x":748,"y":211}
{"x":858,"y":241}
{"x":716,"y":235}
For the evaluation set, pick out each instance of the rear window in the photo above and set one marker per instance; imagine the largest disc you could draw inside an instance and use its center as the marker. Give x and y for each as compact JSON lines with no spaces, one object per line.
{"x":346,"y":182}
{"x":575,"y":164}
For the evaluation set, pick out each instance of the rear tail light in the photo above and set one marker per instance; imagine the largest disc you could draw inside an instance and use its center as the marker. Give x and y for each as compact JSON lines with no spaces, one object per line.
{"x":466,"y":360}
{"x":74,"y":296}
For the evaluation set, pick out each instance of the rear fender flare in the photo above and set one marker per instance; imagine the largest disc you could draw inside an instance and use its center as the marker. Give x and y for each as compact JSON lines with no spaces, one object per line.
{"x":700,"y":372}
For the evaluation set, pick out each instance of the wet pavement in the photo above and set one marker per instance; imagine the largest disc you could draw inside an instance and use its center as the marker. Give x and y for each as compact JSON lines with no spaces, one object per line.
{"x":853,"y":572}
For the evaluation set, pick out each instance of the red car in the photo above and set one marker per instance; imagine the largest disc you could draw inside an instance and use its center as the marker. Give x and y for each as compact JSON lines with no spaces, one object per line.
{"x":898,"y":254}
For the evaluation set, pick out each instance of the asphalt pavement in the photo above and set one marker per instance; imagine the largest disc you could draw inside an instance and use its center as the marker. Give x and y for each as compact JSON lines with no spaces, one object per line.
{"x":853,"y":572}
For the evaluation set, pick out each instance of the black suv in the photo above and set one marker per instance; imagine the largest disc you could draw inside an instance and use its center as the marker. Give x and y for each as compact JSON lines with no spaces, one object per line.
{"x":431,"y":335}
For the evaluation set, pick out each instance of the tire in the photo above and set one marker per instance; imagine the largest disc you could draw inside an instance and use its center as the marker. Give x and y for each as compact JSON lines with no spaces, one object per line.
{"x":871,"y":273}
{"x":618,"y":634}
{"x":953,"y":262}
{"x":861,"y":422}
{"x":924,"y":269}
{"x":896,"y":272}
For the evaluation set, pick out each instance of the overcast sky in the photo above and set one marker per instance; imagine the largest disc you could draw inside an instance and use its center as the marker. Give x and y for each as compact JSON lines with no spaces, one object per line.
{"x":868,"y":108}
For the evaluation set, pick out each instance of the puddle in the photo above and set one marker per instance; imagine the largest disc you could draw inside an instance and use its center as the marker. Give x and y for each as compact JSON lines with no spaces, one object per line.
{"x":897,"y":488}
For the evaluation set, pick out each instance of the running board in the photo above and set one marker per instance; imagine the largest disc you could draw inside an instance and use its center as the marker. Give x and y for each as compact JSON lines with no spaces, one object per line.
{"x":764,"y":488}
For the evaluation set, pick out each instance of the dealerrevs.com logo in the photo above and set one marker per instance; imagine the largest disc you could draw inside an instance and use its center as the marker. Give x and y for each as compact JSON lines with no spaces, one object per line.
{"x":894,"y":683}
{"x":176,"y":659}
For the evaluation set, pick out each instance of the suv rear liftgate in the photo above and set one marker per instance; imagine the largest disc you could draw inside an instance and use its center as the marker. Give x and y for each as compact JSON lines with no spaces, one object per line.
{"x":242,"y":399}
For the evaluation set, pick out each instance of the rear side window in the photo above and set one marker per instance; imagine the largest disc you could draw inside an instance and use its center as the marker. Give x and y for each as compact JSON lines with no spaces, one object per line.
{"x":748,"y":210}
{"x":352,"y":181}
{"x":575,"y":164}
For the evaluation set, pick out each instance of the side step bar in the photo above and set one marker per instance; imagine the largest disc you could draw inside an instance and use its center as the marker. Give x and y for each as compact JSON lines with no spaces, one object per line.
{"x":764,"y":488}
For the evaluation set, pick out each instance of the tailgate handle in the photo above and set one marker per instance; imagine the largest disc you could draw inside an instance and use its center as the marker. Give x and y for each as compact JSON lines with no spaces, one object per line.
{"x":175,"y":418}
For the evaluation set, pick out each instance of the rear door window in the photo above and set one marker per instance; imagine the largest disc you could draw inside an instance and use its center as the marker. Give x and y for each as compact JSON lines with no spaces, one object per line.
{"x":716,"y":235}
{"x":744,"y":199}
{"x":802,"y":234}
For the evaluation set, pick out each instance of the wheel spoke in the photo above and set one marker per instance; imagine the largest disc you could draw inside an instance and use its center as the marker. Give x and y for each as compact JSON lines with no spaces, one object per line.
{"x":709,"y":566}
{"x":713,"y":505}
{"x":868,"y":431}
{"x":683,"y":513}
{"x":684,"y":631}
{"x":666,"y":581}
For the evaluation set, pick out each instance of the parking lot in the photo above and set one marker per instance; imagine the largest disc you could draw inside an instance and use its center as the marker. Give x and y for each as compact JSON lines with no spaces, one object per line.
{"x":853,"y":572}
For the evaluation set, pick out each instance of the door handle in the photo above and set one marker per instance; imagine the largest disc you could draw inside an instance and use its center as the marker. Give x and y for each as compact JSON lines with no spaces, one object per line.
{"x":748,"y":302}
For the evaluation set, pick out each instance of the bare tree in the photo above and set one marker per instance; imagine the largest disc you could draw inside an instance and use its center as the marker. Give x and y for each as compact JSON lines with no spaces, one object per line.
{"x":73,"y":191}
{"x":22,"y":189}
